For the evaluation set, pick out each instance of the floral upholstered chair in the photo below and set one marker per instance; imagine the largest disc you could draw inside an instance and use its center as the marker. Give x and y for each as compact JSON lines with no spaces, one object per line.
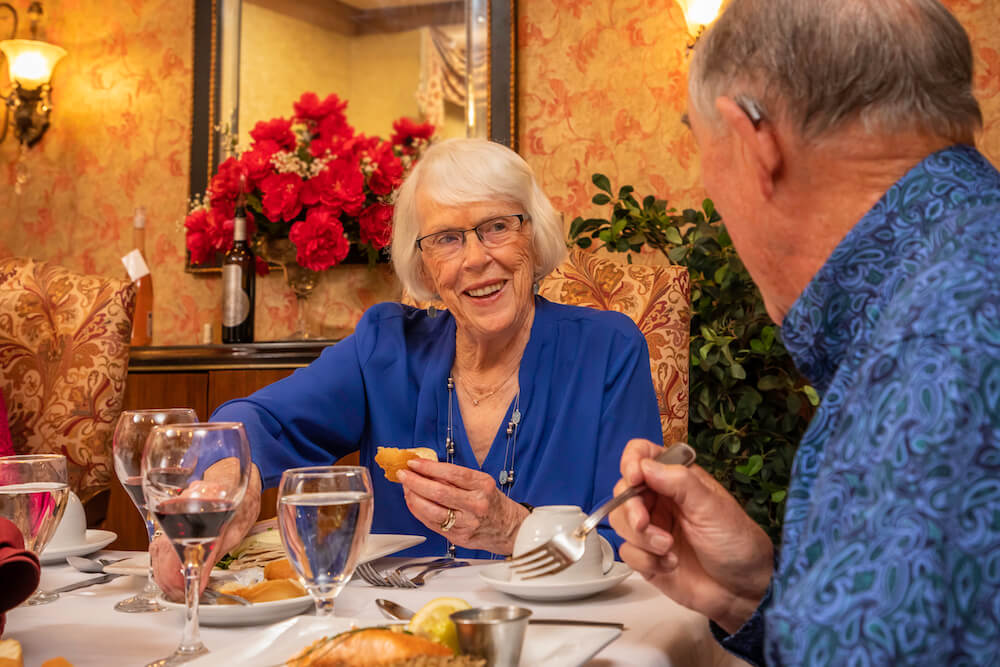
{"x":658,"y":299}
{"x":64,"y":345}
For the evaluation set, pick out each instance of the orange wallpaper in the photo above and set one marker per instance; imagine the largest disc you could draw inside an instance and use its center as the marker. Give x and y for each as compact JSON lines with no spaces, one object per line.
{"x":601,"y":88}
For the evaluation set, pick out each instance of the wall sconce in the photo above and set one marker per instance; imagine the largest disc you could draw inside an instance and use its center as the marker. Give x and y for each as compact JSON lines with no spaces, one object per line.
{"x":699,"y":14}
{"x":30,"y":63}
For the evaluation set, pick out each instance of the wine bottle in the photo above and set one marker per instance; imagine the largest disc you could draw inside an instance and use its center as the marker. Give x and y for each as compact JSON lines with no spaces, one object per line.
{"x":238,"y":286}
{"x":138,"y":272}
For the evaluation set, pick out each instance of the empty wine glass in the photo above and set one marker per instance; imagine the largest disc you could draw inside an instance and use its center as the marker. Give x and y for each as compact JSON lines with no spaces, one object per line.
{"x":129,"y":440}
{"x":33,"y":494}
{"x":193,"y":478}
{"x":324,"y":516}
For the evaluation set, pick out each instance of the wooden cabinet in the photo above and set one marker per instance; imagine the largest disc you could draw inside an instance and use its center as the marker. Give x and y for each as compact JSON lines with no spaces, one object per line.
{"x":202,"y":377}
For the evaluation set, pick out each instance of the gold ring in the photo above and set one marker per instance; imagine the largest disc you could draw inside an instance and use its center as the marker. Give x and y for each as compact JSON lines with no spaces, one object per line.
{"x":448,"y":522}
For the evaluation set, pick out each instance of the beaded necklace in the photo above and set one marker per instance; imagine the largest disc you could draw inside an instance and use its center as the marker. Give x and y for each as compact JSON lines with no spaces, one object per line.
{"x":505,"y":479}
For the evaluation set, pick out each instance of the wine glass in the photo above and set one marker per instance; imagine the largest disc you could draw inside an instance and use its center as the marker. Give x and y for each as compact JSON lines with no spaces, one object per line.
{"x":193,"y":478}
{"x":129,"y":440}
{"x":33,"y":494}
{"x":324,"y":516}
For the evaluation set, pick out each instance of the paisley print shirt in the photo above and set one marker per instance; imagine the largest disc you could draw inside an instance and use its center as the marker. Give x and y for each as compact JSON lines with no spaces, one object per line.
{"x":891,"y":545}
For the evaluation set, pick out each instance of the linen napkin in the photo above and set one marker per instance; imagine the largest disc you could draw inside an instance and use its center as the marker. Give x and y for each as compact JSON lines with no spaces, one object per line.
{"x":19,"y":569}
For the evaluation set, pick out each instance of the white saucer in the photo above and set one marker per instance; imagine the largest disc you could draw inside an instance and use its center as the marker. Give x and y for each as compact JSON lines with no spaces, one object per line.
{"x":498,"y":576}
{"x":93,"y":541}
{"x":258,"y":613}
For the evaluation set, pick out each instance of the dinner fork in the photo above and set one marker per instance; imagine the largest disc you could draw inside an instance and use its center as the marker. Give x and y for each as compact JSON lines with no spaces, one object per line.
{"x":399,"y":581}
{"x":563,"y":549}
{"x":376,"y":578}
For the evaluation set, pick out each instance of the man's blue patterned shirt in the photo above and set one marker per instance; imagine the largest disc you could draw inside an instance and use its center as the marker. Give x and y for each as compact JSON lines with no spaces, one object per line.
{"x":891,"y":545}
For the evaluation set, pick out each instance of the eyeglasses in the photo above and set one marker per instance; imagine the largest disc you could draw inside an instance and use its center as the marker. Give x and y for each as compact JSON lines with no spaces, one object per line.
{"x":491,"y":233}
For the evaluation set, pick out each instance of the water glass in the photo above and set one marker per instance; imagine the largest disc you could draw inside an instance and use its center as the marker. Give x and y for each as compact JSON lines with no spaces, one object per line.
{"x":324,"y":516}
{"x":129,"y":440}
{"x":33,"y":494}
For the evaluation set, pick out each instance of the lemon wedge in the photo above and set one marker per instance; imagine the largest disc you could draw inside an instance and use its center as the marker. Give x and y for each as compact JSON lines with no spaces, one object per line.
{"x":433,"y":621}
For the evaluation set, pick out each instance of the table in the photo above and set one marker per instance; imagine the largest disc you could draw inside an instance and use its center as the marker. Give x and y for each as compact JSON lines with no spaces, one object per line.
{"x":83,"y":627}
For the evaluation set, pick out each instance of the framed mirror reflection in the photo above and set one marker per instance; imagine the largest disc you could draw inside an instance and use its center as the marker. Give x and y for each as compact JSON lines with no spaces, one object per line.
{"x":448,"y":62}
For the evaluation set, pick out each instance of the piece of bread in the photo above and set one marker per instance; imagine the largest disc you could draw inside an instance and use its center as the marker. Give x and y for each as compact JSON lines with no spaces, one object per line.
{"x":57,"y":662}
{"x":372,"y":647}
{"x":393,"y":460}
{"x":10,"y":653}
{"x":264,"y":591}
{"x":280,"y":569}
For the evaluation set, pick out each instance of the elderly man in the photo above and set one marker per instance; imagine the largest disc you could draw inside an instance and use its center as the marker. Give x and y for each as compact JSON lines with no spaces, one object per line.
{"x":837,"y":140}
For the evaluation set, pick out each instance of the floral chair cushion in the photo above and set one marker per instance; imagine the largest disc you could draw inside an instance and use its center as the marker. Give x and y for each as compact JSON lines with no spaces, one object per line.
{"x":64,"y":345}
{"x":658,"y":299}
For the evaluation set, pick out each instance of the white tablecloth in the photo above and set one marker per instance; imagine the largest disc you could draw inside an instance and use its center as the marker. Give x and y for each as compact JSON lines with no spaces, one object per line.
{"x":83,"y":627}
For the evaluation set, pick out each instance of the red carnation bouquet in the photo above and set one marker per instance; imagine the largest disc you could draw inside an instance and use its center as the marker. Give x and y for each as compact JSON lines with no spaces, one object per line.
{"x":310,"y":179}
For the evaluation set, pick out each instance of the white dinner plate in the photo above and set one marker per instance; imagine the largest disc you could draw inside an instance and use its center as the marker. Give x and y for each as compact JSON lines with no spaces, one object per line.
{"x":257,"y":613}
{"x":498,"y":576}
{"x":549,"y":645}
{"x":94,"y":540}
{"x":376,"y":546}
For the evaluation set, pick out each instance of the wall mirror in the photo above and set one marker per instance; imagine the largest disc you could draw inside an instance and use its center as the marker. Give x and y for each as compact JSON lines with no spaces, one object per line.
{"x":448,"y":61}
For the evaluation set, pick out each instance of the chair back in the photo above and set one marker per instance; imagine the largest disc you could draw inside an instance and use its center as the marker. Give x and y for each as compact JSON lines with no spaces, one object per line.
{"x":64,"y":345}
{"x":658,"y":299}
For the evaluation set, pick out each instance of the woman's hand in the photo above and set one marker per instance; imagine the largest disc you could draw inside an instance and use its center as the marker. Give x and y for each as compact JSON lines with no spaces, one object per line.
{"x":484,"y":517}
{"x":690,"y":538}
{"x":167,"y":568}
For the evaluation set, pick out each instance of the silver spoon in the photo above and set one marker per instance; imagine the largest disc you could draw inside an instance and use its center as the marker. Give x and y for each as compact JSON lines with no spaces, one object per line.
{"x":397,"y":611}
{"x":90,"y":564}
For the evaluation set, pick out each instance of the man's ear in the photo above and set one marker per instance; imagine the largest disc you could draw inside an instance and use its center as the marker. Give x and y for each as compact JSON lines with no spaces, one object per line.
{"x":760,"y":143}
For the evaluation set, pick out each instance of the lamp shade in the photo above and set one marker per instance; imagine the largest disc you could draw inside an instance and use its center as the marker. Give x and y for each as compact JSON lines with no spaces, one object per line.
{"x":30,"y":62}
{"x":699,"y":13}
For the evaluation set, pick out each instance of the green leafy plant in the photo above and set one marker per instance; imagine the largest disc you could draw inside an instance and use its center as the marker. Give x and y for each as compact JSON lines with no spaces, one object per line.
{"x":748,"y":404}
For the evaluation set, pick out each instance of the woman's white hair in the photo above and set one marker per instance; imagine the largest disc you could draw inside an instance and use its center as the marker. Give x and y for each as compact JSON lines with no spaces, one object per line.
{"x":456,"y":172}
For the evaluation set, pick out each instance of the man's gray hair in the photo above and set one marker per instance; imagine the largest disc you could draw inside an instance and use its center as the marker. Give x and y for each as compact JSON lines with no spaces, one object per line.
{"x":893,"y":65}
{"x":466,"y":171}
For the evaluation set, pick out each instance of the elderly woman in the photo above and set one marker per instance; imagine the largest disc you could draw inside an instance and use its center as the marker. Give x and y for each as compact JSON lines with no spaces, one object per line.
{"x":526,"y":402}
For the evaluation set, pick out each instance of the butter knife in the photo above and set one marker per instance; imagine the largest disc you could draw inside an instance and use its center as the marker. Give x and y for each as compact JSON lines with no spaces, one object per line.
{"x":93,"y":581}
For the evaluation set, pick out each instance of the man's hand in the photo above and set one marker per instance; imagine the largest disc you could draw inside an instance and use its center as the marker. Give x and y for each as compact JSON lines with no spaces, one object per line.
{"x":484,"y":517}
{"x":167,"y":568}
{"x":690,"y":538}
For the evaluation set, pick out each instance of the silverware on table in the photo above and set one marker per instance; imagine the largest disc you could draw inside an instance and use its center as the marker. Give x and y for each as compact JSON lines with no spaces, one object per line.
{"x":398,"y":612}
{"x":93,"y":581}
{"x":368,"y":572}
{"x":564,"y":549}
{"x":91,"y":564}
{"x":399,"y":581}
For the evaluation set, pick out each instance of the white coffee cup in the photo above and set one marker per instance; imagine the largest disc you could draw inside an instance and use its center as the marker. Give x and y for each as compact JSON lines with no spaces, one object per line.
{"x":546,"y":521}
{"x":72,"y":528}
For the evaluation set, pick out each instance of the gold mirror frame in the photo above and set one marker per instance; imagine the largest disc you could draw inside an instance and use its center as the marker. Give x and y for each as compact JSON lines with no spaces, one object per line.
{"x":214,"y":49}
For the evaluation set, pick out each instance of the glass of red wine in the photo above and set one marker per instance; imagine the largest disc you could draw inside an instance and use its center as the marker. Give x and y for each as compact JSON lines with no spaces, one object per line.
{"x":131,"y":431}
{"x":193,"y":478}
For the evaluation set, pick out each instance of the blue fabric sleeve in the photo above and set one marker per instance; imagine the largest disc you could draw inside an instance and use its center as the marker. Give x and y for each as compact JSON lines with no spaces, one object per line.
{"x":746,"y":643}
{"x":629,"y":411}
{"x":290,"y":424}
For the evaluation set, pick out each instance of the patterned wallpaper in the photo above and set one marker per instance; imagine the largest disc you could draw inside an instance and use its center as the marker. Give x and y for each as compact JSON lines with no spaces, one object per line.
{"x":119,"y":139}
{"x":581,"y":111}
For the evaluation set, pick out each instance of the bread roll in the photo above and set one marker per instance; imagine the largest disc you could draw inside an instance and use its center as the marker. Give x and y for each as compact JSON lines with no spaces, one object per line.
{"x":10,"y":653}
{"x":264,"y":591}
{"x":280,"y":569}
{"x":57,"y":662}
{"x":393,"y":460}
